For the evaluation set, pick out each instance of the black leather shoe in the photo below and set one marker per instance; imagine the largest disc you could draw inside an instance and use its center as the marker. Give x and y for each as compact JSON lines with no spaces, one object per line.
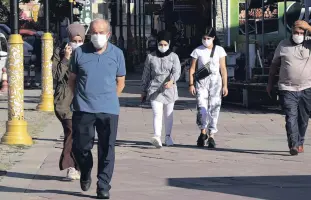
{"x":86,"y":184}
{"x":101,"y":194}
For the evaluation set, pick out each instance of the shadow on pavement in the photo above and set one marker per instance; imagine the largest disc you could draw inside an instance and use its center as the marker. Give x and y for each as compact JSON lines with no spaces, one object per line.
{"x":32,"y":191}
{"x":256,"y":152}
{"x":258,"y":187}
{"x":147,"y":145}
{"x":34,"y":176}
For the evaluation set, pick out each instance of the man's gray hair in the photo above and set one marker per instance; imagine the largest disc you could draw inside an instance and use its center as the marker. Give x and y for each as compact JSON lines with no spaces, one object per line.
{"x":101,"y":20}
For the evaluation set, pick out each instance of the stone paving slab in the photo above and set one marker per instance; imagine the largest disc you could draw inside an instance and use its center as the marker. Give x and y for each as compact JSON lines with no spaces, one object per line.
{"x":251,"y":161}
{"x":9,"y":155}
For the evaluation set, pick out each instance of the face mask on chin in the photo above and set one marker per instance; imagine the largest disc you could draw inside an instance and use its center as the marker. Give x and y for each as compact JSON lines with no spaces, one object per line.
{"x":207,"y":43}
{"x":298,"y":39}
{"x":99,"y":41}
{"x":75,"y":45}
{"x":163,"y":49}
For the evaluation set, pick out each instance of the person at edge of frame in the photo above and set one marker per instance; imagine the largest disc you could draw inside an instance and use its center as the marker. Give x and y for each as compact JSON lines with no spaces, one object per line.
{"x":292,"y":57}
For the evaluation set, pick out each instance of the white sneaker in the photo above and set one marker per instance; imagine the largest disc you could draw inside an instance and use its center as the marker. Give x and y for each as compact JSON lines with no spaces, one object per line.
{"x":169,"y":141}
{"x":156,"y":141}
{"x":73,"y":174}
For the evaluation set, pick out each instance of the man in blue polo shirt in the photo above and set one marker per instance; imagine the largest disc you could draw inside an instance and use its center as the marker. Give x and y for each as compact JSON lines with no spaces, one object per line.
{"x":97,"y":79}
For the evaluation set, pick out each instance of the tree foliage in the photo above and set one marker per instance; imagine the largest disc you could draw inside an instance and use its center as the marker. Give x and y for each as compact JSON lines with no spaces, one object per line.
{"x":4,"y":11}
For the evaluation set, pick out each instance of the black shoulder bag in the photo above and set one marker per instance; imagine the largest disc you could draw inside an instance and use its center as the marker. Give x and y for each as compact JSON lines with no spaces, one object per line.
{"x":205,"y":71}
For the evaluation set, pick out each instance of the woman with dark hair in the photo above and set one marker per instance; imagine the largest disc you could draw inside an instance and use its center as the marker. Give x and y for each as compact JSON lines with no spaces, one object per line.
{"x":208,"y":86}
{"x":63,"y":95}
{"x":161,"y":72}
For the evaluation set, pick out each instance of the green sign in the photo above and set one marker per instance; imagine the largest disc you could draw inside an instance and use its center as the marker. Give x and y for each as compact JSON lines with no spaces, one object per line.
{"x":86,"y":13}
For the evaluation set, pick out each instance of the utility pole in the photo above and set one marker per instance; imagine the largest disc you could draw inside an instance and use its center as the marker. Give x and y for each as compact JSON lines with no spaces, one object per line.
{"x":71,"y":10}
{"x":121,"y":38}
{"x":247,"y":66}
{"x":139,"y":31}
{"x":144,"y":31}
{"x":307,"y":12}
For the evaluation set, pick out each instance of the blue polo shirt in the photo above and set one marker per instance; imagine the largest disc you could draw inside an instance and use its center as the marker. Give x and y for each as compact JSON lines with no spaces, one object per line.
{"x":96,"y":89}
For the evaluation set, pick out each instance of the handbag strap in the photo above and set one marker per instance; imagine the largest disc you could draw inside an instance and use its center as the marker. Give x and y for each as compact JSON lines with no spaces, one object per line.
{"x":150,"y":70}
{"x":211,"y":56}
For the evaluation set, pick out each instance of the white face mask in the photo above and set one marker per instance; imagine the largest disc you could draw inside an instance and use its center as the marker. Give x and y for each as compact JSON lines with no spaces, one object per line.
{"x":163,"y":49}
{"x":298,"y":39}
{"x":99,"y":41}
{"x":207,"y":43}
{"x":75,"y":45}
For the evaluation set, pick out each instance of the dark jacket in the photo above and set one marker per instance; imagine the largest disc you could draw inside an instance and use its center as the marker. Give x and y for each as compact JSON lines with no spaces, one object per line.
{"x":62,"y":95}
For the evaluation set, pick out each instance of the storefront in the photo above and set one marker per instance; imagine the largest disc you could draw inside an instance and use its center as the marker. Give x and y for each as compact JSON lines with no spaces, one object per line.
{"x":273,"y":24}
{"x":268,"y":23}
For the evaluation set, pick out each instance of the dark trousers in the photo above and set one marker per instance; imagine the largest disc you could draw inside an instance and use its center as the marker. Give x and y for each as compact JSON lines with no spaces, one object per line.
{"x":297,"y":107}
{"x":106,"y":125}
{"x":66,"y":158}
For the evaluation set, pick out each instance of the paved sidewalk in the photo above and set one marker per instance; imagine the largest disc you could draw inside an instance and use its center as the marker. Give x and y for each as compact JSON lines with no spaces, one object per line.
{"x":36,"y":120}
{"x":251,"y":161}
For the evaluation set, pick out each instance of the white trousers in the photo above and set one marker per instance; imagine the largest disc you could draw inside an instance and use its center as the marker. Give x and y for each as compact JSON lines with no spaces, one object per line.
{"x":209,"y":93}
{"x":158,"y":108}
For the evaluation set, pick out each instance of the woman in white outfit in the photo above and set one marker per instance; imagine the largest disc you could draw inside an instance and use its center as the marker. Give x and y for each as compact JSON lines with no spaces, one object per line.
{"x":208,"y":90}
{"x":162,"y":70}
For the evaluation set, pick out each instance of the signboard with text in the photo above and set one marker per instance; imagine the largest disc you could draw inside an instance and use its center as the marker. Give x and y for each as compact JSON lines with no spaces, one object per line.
{"x":86,"y":13}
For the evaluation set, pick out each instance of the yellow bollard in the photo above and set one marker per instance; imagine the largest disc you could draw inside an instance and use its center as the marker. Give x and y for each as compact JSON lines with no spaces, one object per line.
{"x":47,"y":99}
{"x":16,"y":126}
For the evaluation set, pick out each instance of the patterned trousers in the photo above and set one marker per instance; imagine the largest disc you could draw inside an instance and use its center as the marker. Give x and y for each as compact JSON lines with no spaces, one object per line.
{"x":209,"y":94}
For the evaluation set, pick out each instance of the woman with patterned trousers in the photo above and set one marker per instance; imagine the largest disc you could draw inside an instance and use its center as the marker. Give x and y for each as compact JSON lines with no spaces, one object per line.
{"x":63,"y":96}
{"x":208,"y":90}
{"x":161,"y":72}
